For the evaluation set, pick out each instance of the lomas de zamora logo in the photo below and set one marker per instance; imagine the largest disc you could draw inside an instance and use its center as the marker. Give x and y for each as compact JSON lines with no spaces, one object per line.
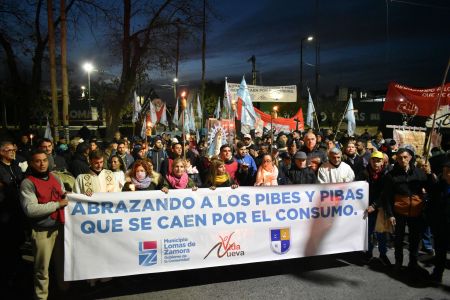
{"x":225,"y":247}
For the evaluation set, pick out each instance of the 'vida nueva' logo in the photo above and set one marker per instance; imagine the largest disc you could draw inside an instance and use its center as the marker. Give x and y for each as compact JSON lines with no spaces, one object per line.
{"x":226,"y":247}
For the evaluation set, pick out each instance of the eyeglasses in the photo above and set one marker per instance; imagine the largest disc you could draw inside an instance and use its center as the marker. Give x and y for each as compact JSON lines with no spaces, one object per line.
{"x":9,"y":150}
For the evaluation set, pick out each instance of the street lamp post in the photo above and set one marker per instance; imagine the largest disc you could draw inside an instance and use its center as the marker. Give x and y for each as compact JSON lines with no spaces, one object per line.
{"x":306,"y":38}
{"x":183,"y":104}
{"x":175,"y":81}
{"x":88,"y":67}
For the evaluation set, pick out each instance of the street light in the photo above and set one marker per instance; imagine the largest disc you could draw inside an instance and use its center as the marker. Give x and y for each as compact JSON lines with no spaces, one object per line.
{"x":88,"y":67}
{"x":175,"y":81}
{"x":309,"y":39}
{"x":83,"y":90}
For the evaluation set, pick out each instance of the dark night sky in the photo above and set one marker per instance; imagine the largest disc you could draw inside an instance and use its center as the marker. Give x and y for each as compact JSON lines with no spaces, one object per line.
{"x":363,"y":43}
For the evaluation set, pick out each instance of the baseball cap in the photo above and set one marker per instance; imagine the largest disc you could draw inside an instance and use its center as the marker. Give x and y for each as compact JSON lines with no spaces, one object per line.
{"x":300,"y":155}
{"x":247,"y":136}
{"x":377,"y":154}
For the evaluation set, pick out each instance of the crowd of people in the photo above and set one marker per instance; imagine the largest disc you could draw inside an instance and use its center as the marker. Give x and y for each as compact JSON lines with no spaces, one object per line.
{"x":404,"y":189}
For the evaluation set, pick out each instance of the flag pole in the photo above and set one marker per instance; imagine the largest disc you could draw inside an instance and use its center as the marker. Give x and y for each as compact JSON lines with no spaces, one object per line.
{"x":342,"y":119}
{"x":428,"y":144}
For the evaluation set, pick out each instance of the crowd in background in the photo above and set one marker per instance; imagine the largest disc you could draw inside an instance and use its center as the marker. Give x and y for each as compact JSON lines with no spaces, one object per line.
{"x":405,"y":190}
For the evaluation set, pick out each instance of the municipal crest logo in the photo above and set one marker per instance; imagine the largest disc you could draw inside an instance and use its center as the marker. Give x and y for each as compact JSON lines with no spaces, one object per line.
{"x":148,"y":253}
{"x":280,"y":240}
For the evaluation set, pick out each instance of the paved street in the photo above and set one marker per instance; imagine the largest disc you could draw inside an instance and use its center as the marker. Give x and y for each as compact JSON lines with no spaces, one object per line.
{"x":342,"y":276}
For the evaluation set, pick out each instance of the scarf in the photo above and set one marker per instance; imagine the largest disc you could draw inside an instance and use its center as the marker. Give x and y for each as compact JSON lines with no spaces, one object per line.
{"x":220,"y":179}
{"x":178,"y":183}
{"x":141,"y":184}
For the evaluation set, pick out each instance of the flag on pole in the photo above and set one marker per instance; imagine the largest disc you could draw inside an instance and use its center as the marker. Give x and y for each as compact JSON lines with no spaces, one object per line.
{"x":191,"y":116}
{"x":186,"y":119}
{"x":199,"y":107}
{"x":175,"y":115}
{"x":351,"y":121}
{"x":153,"y":116}
{"x":310,"y":111}
{"x":136,"y":108}
{"x":248,"y":115}
{"x":217,"y":111}
{"x":227,"y":98}
{"x":144,"y":127}
{"x":48,"y":131}
{"x":163,"y":119}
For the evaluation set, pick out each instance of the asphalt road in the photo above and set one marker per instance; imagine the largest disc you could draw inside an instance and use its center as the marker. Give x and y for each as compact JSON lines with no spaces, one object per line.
{"x":341,"y":276}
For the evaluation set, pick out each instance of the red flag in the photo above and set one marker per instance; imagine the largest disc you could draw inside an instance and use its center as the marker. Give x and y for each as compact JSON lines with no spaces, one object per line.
{"x":412,"y":101}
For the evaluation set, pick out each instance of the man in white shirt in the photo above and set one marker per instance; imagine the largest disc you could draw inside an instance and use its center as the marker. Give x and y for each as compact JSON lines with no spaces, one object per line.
{"x":98,"y":179}
{"x":334,"y":170}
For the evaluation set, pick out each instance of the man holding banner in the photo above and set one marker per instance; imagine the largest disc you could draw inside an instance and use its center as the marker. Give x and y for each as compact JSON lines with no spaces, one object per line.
{"x":43,"y":198}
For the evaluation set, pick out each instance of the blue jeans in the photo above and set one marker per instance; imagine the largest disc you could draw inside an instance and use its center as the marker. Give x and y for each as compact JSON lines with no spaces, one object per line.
{"x":381,"y":236}
{"x":426,"y":239}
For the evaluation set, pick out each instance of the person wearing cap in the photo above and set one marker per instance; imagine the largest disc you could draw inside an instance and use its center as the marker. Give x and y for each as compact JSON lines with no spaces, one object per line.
{"x":157,"y":154}
{"x":311,"y":148}
{"x":335,"y":170}
{"x":402,"y":200}
{"x":299,"y":172}
{"x":248,"y":142}
{"x":374,"y":174}
{"x":439,"y":216}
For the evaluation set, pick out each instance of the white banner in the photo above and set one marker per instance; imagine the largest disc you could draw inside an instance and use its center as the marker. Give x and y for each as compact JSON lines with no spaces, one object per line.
{"x":118,"y":234}
{"x":258,"y":93}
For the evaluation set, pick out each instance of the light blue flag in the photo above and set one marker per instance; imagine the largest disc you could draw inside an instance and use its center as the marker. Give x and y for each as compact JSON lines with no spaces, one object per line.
{"x":199,"y":108}
{"x":310,"y":112}
{"x":217,"y":111}
{"x":175,"y":115}
{"x":227,"y":99}
{"x":351,"y":121}
{"x":248,"y":115}
{"x":191,"y":116}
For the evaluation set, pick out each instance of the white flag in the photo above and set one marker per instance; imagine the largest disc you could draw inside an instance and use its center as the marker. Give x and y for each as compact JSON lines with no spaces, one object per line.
{"x":48,"y":131}
{"x":310,"y":112}
{"x":175,"y":115}
{"x":217,"y":111}
{"x":153,"y":116}
{"x":351,"y":122}
{"x":136,"y":108}
{"x":163,"y":119}
{"x":144,"y":127}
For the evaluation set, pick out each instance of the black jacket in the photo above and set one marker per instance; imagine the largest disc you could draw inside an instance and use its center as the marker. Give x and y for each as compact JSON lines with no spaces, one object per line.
{"x":79,"y":165}
{"x":296,"y":175}
{"x":376,"y":184}
{"x":10,"y":178}
{"x":399,"y":182}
